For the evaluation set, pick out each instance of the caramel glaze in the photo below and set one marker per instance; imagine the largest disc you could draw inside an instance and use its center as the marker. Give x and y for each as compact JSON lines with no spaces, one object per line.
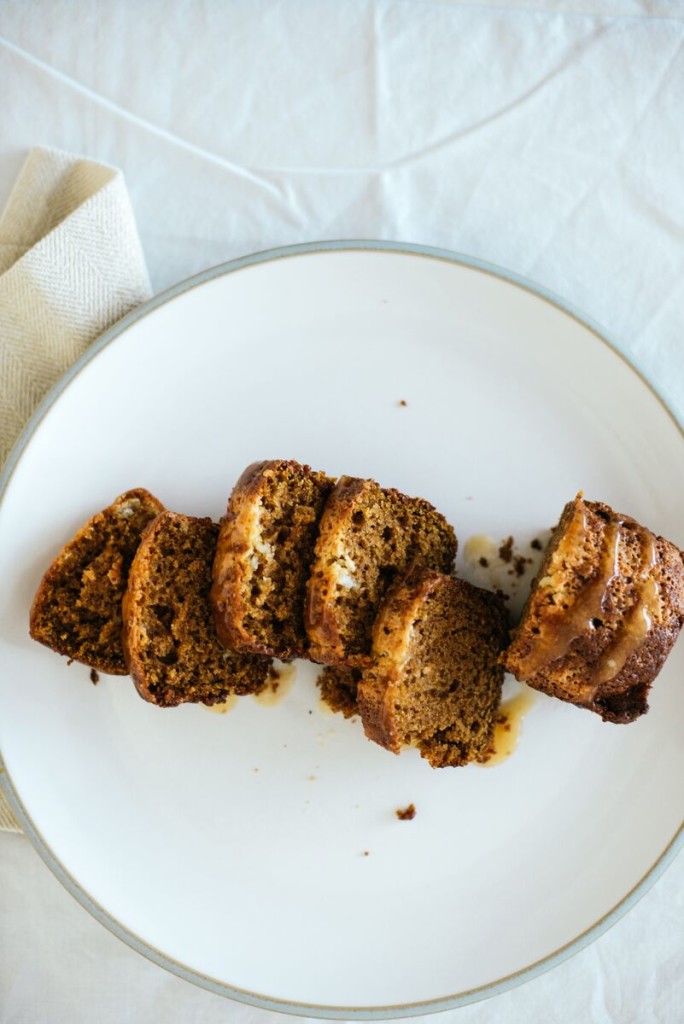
{"x":508,"y":725}
{"x":593,"y":602}
{"x":637,"y":623}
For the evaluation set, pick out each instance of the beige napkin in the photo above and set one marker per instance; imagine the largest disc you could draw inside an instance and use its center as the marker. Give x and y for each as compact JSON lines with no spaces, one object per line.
{"x":71,"y":264}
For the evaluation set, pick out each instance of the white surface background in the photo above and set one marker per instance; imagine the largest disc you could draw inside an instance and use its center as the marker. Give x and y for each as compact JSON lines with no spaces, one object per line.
{"x":550,"y":142}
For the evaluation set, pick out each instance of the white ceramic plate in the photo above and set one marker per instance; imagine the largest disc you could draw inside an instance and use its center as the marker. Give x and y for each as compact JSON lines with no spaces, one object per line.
{"x":259,"y":852}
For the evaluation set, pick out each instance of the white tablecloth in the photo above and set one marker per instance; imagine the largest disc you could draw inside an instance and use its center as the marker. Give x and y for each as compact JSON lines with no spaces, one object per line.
{"x":545,"y":137}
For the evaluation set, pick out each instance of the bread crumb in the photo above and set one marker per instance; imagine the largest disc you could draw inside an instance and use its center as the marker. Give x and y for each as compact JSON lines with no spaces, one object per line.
{"x":94,"y":677}
{"x":403,"y":403}
{"x":519,"y":564}
{"x":274,"y":679}
{"x":506,"y":550}
{"x":406,"y":813}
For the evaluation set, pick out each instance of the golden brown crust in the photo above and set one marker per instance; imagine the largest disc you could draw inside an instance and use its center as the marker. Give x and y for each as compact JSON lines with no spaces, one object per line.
{"x":602,"y":615}
{"x":263,"y":557}
{"x":368,"y":536}
{"x":170,"y":644}
{"x":323,"y":625}
{"x":130,"y":628}
{"x":434,"y":681}
{"x":77,"y":608}
{"x":377,"y":694}
{"x":229,"y":572}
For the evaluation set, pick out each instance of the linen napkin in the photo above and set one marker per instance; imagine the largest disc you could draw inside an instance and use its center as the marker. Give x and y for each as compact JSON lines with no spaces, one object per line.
{"x":71,"y":264}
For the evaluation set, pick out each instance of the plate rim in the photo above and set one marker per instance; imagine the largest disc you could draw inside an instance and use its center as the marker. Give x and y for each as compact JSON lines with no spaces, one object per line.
{"x":160,"y":959}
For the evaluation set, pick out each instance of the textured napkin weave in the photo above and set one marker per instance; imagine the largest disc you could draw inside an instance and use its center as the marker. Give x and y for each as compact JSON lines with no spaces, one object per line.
{"x":71,"y":264}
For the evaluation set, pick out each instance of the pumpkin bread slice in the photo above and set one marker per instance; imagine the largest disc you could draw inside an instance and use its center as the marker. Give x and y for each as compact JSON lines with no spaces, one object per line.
{"x":77,"y":607}
{"x":368,"y":537}
{"x":172,"y":650}
{"x":603,"y":613}
{"x":263,"y":558}
{"x":435,"y":681}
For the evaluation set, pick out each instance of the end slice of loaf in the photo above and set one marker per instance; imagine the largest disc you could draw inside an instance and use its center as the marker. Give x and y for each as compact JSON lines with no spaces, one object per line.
{"x":603,"y":613}
{"x":77,"y":607}
{"x":171,"y":647}
{"x":434,"y":681}
{"x":368,"y":537}
{"x":263,"y":558}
